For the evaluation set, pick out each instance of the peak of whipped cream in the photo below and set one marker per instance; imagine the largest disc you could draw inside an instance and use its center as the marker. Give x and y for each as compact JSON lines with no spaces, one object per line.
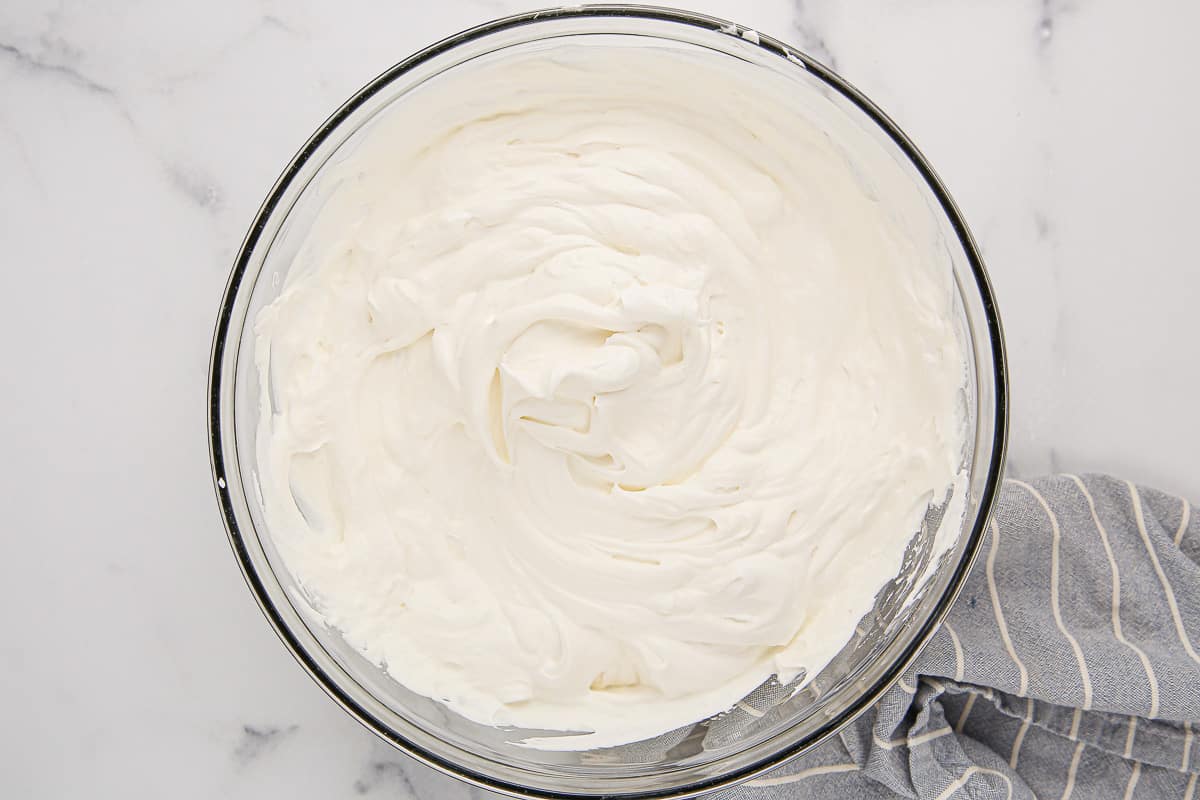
{"x":609,"y":382}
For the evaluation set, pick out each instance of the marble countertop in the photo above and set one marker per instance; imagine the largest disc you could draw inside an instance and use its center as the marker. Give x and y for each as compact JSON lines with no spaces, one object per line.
{"x":136,"y":142}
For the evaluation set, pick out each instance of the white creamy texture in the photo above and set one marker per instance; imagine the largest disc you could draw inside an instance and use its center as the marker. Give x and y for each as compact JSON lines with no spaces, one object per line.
{"x":606,"y":386}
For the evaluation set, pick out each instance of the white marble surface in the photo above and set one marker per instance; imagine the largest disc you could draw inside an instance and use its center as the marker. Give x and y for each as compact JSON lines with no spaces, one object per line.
{"x":137,"y":140}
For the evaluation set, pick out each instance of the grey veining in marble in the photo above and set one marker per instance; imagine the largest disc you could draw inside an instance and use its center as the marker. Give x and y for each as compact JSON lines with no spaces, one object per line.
{"x":257,"y":740}
{"x":136,"y":141}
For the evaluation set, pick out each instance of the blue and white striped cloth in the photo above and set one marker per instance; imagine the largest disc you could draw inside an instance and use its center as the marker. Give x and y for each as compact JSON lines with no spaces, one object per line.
{"x":1068,"y":667}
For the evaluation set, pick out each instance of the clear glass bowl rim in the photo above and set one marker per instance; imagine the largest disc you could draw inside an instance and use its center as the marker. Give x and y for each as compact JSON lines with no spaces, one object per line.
{"x":221,"y":376}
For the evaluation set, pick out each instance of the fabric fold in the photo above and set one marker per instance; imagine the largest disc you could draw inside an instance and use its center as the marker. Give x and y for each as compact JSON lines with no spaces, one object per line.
{"x":1067,"y":667}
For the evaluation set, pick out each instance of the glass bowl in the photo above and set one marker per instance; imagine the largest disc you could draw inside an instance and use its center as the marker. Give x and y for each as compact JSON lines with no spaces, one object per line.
{"x":780,"y":723}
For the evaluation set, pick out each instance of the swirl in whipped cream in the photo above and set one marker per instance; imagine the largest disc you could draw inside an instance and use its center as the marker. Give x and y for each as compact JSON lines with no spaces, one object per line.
{"x":609,"y":382}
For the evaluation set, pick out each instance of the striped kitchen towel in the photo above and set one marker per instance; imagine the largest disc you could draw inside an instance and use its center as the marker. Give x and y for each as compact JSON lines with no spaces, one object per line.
{"x":1068,"y":667}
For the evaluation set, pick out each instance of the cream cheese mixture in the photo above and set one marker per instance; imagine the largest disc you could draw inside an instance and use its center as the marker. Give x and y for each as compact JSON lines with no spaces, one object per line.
{"x":609,"y":382}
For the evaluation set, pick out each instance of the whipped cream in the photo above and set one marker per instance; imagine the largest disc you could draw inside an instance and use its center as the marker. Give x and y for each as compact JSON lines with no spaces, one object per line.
{"x":609,"y":382}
